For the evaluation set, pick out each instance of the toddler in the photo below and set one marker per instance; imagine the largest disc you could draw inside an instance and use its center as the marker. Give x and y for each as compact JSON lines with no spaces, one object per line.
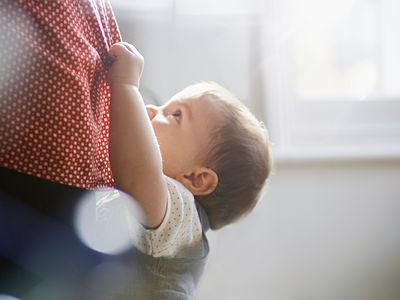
{"x":200,"y":160}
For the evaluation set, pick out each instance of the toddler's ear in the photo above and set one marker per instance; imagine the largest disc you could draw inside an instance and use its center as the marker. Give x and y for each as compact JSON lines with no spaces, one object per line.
{"x":201,"y":181}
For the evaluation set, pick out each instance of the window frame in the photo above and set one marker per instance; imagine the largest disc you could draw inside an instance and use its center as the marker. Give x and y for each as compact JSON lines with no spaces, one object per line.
{"x":319,"y":128}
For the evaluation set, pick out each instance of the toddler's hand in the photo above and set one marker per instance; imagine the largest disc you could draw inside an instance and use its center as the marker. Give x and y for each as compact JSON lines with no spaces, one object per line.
{"x":127,"y":65}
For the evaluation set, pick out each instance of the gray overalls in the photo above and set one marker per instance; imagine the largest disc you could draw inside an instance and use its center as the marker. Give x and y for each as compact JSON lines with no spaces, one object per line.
{"x":144,"y":277}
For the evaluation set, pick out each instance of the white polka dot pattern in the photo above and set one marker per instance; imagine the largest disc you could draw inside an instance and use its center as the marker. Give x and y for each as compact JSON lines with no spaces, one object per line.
{"x":54,"y":98}
{"x":180,"y":229}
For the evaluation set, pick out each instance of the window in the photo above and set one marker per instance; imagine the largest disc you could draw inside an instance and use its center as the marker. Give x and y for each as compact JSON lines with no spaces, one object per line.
{"x":332,"y":72}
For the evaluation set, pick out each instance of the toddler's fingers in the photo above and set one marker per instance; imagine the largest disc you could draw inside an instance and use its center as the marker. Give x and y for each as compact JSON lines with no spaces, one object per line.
{"x":131,"y":48}
{"x":122,"y":48}
{"x":117,"y":49}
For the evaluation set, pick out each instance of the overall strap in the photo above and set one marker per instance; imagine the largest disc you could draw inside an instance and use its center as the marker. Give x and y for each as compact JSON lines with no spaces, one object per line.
{"x":203,"y":217}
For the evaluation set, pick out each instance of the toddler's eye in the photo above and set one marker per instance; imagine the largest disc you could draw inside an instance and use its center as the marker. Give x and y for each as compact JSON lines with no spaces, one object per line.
{"x":177,"y":115}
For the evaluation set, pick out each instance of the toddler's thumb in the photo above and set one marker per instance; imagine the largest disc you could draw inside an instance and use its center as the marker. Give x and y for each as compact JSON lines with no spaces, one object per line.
{"x":117,"y":49}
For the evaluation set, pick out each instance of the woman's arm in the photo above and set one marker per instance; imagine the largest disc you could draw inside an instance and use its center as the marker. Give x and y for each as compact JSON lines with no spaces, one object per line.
{"x":134,"y":152}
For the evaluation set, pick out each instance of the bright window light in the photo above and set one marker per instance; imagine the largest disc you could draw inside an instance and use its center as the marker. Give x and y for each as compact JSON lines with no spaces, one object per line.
{"x":343,"y":49}
{"x":332,"y":69}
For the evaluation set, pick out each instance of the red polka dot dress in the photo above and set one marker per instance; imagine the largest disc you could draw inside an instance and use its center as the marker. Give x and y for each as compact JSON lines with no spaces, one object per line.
{"x":54,"y":98}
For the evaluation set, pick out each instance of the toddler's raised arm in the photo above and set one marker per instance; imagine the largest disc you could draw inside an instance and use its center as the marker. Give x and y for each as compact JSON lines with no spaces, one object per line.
{"x":134,"y":152}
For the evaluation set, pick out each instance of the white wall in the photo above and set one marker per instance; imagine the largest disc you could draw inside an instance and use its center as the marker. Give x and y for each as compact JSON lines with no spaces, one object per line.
{"x":179,"y":51}
{"x":323,"y":231}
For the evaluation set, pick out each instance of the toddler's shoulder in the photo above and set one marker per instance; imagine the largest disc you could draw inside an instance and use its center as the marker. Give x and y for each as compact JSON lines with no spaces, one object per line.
{"x":181,"y":227}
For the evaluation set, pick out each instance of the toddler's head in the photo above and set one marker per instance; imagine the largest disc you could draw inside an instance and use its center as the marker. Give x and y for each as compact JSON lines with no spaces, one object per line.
{"x":215,"y":147}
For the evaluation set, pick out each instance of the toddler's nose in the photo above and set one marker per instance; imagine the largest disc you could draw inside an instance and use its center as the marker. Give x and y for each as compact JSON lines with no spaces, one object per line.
{"x":151,"y":111}
{"x":156,"y":114}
